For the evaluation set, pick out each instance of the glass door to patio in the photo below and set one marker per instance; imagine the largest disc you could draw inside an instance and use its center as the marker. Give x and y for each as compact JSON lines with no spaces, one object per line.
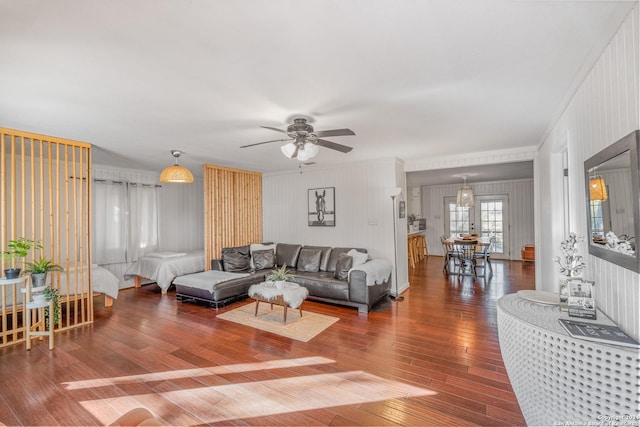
{"x":488,"y":218}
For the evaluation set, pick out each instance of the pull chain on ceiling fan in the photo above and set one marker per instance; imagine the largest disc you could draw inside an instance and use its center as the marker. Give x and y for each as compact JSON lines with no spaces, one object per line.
{"x":303,"y":142}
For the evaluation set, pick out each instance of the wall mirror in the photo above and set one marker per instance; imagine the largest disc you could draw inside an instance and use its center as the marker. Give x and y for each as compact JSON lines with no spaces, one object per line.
{"x":613,"y":202}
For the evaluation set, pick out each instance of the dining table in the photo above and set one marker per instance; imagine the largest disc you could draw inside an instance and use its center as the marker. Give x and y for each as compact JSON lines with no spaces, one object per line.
{"x":483,"y":245}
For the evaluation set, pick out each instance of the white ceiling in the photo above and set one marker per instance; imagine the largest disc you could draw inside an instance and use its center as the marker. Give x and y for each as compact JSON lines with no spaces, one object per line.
{"x":413,"y":78}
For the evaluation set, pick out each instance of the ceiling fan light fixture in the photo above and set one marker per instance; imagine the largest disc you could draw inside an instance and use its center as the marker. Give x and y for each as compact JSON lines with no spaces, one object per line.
{"x":176,"y":173}
{"x":288,"y":149}
{"x":308,"y":151}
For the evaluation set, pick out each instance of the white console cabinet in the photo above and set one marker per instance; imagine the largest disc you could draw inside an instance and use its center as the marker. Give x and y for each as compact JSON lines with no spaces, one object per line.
{"x":558,"y":379}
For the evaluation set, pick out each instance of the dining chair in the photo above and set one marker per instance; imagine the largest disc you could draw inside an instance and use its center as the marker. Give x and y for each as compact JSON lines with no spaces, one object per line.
{"x":466,"y":261}
{"x":448,"y":252}
{"x":482,"y":253}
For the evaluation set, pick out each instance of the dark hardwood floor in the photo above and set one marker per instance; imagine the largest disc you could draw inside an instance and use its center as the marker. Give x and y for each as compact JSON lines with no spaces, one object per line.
{"x":432,"y":359}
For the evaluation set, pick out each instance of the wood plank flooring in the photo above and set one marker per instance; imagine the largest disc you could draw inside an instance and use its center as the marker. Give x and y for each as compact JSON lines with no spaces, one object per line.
{"x":432,"y":359}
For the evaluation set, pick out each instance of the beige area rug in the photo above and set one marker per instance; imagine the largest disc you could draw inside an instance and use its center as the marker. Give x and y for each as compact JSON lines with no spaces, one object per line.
{"x":298,"y":328}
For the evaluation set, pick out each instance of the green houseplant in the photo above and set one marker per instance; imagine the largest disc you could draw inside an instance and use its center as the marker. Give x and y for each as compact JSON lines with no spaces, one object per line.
{"x":17,"y":248}
{"x":279,"y":274}
{"x":39,"y":270}
{"x":52,"y":294}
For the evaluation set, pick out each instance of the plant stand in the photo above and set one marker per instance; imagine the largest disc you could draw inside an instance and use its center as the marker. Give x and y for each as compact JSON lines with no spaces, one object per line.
{"x":35,"y":323}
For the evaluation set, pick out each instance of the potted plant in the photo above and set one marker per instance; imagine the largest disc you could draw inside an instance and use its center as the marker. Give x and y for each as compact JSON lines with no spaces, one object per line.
{"x":39,"y":270}
{"x":279,"y":275}
{"x":18,"y":248}
{"x":52,"y":294}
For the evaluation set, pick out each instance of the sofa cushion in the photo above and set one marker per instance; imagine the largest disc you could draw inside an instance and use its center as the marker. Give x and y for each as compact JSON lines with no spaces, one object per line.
{"x":287,"y":253}
{"x":236,"y":258}
{"x":343,"y":265}
{"x":323,"y":285}
{"x":335,"y":253}
{"x":326,"y":252}
{"x":263,"y":259}
{"x":309,"y":260}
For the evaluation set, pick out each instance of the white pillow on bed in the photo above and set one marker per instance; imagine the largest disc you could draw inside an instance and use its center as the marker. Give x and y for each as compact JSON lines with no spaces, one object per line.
{"x":260,"y":247}
{"x":165,"y":254}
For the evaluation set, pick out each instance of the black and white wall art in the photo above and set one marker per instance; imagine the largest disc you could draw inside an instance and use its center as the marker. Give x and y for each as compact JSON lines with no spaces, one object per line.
{"x":322,"y":211}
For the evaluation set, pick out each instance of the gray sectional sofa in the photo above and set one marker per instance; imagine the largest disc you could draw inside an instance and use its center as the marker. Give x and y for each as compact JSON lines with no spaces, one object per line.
{"x":330,"y":274}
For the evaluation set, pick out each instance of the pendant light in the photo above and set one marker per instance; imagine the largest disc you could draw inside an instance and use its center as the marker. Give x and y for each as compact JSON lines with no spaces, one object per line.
{"x":465,"y":195}
{"x":597,"y":189}
{"x":176,"y":173}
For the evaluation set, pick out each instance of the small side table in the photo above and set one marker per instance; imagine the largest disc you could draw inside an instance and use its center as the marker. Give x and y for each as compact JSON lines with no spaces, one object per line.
{"x":285,"y":295}
{"x":35,"y":304}
{"x":11,"y":303}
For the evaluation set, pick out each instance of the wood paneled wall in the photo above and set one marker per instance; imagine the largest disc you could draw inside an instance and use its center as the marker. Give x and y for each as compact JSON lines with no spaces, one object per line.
{"x":364,"y":209}
{"x":520,"y":212}
{"x":45,"y":196}
{"x":605,"y":107}
{"x":233,"y":209}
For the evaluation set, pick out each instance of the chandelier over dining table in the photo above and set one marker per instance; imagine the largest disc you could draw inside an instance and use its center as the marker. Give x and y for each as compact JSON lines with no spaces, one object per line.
{"x":465,"y":197}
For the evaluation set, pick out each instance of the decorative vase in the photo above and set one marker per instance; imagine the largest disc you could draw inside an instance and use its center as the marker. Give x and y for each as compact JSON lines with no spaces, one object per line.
{"x":38,"y":279}
{"x":12,"y":273}
{"x":39,"y":297}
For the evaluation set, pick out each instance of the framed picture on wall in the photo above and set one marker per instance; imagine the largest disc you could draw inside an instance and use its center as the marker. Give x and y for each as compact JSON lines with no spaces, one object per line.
{"x":402,"y":209}
{"x":322,"y":207}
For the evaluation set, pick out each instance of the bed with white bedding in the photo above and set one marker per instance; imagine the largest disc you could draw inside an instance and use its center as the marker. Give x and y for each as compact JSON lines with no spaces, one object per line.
{"x":163,"y":267}
{"x":102,"y":280}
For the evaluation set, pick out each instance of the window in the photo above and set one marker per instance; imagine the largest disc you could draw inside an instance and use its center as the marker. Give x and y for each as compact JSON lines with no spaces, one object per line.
{"x":459,"y":222}
{"x":488,"y":218}
{"x":491,"y":223}
{"x":125,"y":221}
{"x":597,"y":219}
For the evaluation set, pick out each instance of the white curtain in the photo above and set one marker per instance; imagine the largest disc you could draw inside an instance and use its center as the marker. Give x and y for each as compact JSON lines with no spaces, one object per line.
{"x":125,"y":221}
{"x":109,"y":228}
{"x":143,"y":221}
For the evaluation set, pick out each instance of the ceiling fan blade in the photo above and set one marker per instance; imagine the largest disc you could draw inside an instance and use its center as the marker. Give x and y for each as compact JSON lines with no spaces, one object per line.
{"x":276,"y":129}
{"x":335,"y":132}
{"x":266,"y":142}
{"x":333,"y":145}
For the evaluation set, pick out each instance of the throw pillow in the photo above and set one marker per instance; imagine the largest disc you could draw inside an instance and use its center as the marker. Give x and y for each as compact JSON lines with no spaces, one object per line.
{"x":358,"y":257}
{"x":309,"y":260}
{"x":236,"y":259}
{"x":260,"y":247}
{"x":263,"y":259}
{"x":343,"y":265}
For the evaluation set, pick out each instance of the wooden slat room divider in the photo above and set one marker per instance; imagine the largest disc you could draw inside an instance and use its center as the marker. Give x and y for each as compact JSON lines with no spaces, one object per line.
{"x":45,"y":196}
{"x":233,"y":209}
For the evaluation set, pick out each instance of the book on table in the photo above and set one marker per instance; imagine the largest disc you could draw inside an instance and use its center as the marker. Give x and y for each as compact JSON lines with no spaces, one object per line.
{"x":607,"y":334}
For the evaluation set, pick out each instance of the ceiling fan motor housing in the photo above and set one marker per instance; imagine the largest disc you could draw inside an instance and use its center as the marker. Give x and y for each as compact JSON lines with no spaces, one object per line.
{"x":300,"y":127}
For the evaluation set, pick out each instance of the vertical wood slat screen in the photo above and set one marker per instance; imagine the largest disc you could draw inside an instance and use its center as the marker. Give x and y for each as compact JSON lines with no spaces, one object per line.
{"x":233,"y":209}
{"x":45,"y":196}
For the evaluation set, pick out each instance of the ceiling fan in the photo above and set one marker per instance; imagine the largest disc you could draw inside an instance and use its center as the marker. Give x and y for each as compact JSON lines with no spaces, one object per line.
{"x":303,"y":142}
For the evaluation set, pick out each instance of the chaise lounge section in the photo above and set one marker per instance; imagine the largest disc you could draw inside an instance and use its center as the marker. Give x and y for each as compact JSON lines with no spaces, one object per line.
{"x":340,"y":275}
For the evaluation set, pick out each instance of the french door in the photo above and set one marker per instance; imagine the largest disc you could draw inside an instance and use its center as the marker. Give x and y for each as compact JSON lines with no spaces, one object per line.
{"x":488,"y":218}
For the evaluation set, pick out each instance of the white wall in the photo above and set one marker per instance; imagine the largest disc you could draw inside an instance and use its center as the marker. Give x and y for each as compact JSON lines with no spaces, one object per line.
{"x":364,"y":208}
{"x":604,"y":109}
{"x":520,"y":211}
{"x":181,"y":211}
